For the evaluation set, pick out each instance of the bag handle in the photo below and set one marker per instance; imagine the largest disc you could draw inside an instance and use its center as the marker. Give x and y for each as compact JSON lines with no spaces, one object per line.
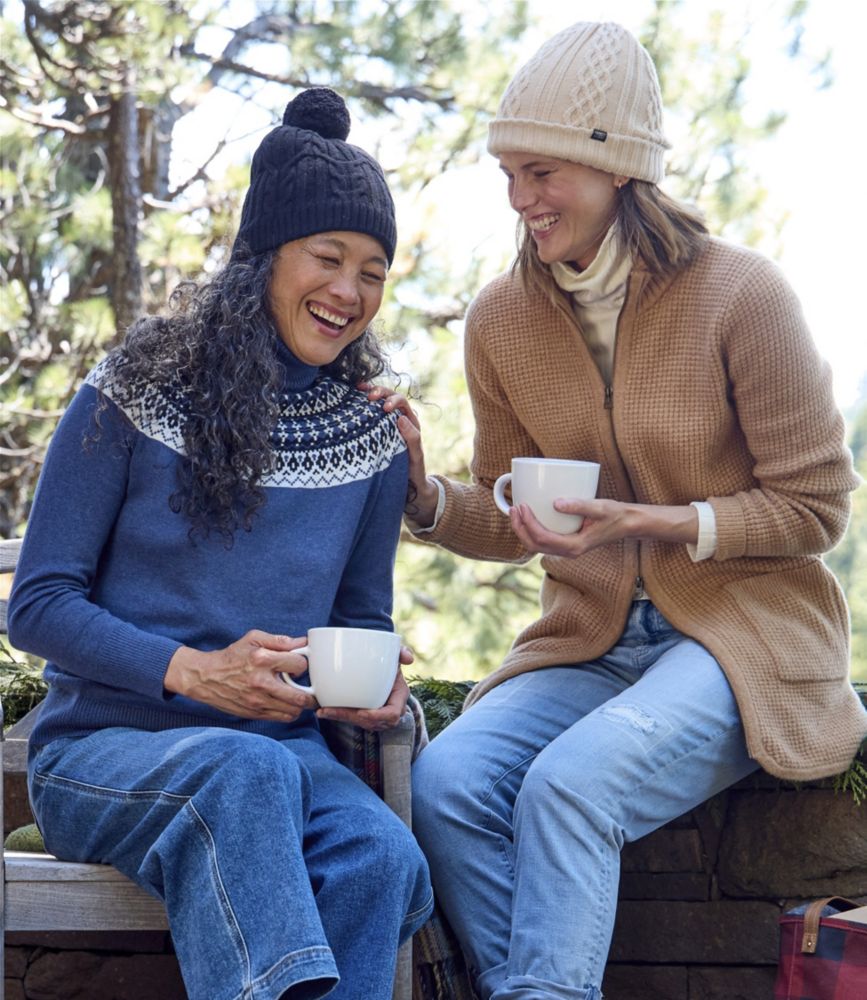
{"x":812,"y":915}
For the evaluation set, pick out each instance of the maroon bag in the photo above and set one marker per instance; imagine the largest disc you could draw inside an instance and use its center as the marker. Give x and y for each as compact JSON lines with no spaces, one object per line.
{"x":822,"y":957}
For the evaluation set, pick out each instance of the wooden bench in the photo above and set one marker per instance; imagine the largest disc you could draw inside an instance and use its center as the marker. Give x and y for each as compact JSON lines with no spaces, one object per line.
{"x":42,"y":893}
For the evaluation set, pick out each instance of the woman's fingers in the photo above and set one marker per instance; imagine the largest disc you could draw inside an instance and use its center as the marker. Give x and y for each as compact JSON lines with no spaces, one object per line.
{"x":244,"y":678}
{"x":605,"y":521}
{"x":374,"y":719}
{"x":424,"y":495}
{"x":536,"y":538}
{"x":391,"y":400}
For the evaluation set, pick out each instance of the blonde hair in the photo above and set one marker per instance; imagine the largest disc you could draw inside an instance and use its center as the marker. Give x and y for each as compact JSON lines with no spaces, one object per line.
{"x":665,"y":234}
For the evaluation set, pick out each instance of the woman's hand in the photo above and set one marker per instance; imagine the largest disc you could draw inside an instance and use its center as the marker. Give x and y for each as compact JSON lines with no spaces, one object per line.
{"x":377,"y":719}
{"x":605,"y":521}
{"x":422,"y":507}
{"x":244,"y":678}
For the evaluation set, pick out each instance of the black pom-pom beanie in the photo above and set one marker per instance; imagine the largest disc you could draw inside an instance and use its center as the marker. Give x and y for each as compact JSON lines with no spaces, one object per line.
{"x":305,"y":179}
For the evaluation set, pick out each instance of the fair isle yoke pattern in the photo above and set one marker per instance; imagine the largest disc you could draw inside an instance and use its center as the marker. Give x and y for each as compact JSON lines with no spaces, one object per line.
{"x":327,"y":435}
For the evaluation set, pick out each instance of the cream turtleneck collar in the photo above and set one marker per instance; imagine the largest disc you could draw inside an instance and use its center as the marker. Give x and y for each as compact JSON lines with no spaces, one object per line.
{"x":597,"y":295}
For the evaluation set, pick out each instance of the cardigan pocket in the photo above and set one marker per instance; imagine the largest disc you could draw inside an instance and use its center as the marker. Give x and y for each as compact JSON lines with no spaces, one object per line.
{"x":799,"y":616}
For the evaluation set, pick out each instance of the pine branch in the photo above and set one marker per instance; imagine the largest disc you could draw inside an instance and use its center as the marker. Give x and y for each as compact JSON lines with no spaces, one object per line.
{"x":441,"y":700}
{"x":21,"y":686}
{"x":854,"y":781}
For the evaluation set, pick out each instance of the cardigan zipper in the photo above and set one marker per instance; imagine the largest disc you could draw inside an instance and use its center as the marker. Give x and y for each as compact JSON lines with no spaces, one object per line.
{"x":638,"y":584}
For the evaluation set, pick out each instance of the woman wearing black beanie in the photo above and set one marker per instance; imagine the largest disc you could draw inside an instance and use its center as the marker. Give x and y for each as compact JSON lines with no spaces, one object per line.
{"x":217,"y":488}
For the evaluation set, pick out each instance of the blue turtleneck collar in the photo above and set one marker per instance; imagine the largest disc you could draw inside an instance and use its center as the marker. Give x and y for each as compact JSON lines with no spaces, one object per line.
{"x":297,"y":375}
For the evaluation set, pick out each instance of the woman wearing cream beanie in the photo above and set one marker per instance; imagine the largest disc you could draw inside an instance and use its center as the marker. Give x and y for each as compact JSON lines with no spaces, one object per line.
{"x":689,"y":631}
{"x":589,"y":95}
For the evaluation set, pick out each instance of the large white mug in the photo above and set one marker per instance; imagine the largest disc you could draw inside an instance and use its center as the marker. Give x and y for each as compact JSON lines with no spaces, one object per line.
{"x":538,"y":482}
{"x":349,"y":667}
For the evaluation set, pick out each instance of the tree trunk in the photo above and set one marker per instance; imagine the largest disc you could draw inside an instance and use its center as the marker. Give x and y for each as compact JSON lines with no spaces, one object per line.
{"x":124,"y":167}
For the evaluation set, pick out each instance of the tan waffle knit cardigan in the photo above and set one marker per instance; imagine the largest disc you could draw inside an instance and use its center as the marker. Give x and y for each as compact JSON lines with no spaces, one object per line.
{"x":718,"y":393}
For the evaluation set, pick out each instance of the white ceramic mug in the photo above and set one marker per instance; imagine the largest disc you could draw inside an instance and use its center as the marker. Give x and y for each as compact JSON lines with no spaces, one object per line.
{"x":538,"y":482}
{"x":349,"y":667}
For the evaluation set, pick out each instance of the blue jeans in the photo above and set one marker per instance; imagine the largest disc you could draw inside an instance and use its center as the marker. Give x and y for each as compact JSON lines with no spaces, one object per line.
{"x":523,"y":804}
{"x":283,"y":875}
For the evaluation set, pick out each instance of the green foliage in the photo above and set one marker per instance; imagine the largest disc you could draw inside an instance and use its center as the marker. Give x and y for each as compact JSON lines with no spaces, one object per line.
{"x":21,"y":686}
{"x":441,"y":700}
{"x":705,"y":74}
{"x":853,"y":781}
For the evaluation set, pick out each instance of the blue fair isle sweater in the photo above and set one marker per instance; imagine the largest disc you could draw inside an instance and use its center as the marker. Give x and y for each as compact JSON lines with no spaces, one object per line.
{"x":109,"y":583}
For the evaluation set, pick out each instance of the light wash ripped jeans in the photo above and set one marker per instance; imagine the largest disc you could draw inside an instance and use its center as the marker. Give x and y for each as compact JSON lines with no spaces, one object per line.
{"x":523,"y":803}
{"x":283,"y":875}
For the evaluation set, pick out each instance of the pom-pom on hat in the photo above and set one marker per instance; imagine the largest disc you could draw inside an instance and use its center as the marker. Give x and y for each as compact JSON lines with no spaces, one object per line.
{"x":305,"y":179}
{"x":589,"y":95}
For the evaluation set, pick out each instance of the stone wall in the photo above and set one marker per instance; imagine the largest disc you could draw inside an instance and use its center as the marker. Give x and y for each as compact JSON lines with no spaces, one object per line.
{"x":700,"y":900}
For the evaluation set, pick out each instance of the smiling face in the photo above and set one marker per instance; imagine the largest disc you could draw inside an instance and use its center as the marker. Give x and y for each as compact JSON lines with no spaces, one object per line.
{"x":325,"y":290}
{"x":568,"y":207}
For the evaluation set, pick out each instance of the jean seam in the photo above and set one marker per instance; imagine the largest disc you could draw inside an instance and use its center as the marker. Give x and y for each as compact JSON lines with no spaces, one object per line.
{"x":487,"y":814}
{"x":222,"y":895}
{"x":505,"y":773}
{"x":597,"y":946}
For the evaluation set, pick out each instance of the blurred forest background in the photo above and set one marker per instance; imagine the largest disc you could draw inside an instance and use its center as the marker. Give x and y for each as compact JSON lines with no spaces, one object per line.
{"x":112,"y":191}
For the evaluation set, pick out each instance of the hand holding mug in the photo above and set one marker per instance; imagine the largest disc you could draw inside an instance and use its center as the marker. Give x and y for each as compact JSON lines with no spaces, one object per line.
{"x":349,"y":667}
{"x":606,"y":522}
{"x":538,"y":482}
{"x":242,"y":679}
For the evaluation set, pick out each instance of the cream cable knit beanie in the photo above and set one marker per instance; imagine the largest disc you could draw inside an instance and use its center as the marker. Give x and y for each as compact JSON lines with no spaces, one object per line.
{"x":589,"y":95}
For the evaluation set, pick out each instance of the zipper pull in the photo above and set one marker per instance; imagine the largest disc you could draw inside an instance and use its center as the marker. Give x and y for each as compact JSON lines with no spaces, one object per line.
{"x":638,"y":589}
{"x":609,"y":397}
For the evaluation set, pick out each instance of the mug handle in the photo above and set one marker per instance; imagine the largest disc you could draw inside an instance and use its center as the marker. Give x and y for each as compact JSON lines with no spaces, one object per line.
{"x":500,"y":491}
{"x":287,"y":678}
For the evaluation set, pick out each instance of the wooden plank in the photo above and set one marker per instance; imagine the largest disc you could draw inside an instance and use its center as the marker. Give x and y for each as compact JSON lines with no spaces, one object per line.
{"x":15,"y":756}
{"x":9,"y":549}
{"x":24,"y":866}
{"x":22,"y":729}
{"x":81,"y":906}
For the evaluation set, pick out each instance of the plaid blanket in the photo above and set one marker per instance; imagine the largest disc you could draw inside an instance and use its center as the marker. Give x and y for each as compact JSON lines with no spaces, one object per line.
{"x":359,"y":750}
{"x":439,"y":971}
